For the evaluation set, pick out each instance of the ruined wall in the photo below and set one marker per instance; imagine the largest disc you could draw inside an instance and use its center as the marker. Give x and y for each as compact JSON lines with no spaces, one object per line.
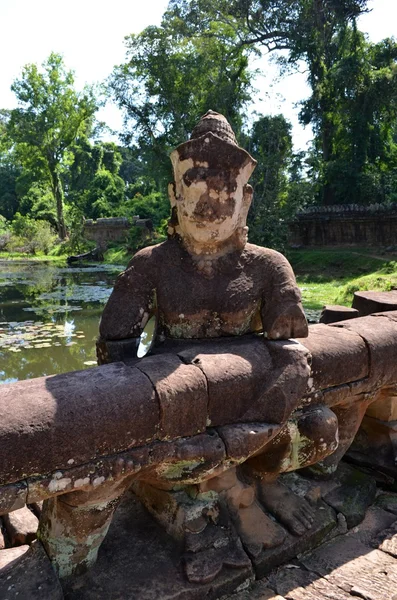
{"x":339,"y":225}
{"x":114,"y":229}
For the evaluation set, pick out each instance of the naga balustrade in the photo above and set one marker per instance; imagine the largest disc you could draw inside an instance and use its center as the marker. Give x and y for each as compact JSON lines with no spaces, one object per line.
{"x":78,"y":440}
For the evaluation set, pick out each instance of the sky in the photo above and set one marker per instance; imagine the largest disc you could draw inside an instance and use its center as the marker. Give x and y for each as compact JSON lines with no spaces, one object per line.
{"x":90,"y":35}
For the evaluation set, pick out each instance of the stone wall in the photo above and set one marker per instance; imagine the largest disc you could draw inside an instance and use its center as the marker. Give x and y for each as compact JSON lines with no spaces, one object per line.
{"x":113,"y":229}
{"x":344,"y":225}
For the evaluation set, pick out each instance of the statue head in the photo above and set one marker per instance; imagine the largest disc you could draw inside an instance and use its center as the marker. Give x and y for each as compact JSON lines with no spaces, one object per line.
{"x":210,"y":196}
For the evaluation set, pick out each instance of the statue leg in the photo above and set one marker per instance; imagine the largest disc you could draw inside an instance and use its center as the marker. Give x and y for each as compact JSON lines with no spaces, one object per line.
{"x":349,"y":420}
{"x":73,"y":525}
{"x":256,"y":529}
{"x":305,"y":440}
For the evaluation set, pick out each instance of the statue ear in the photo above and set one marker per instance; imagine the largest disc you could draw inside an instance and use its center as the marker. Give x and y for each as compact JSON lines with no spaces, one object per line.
{"x":172,"y":194}
{"x":248,"y":193}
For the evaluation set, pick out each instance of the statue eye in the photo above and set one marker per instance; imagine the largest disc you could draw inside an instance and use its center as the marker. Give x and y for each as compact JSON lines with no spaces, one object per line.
{"x":195,"y":174}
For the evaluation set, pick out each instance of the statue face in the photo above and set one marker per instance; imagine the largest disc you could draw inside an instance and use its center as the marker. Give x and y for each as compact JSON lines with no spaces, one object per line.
{"x":209,"y":201}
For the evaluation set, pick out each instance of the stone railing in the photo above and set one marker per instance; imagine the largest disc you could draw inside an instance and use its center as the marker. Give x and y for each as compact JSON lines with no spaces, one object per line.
{"x":77,"y":441}
{"x":347,"y":224}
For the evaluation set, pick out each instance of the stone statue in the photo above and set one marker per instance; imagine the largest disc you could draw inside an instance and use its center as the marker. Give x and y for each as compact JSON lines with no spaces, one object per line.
{"x":206,"y":283}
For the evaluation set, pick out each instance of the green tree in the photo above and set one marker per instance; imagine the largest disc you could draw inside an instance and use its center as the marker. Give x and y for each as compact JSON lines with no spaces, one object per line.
{"x":309,"y":30}
{"x":270,"y":142}
{"x":50,"y":116}
{"x":364,"y":151}
{"x":92,"y":180}
{"x":169,"y":81}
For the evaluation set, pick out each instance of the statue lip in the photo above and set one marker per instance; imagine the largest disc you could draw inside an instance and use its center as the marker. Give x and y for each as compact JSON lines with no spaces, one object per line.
{"x":202,"y":221}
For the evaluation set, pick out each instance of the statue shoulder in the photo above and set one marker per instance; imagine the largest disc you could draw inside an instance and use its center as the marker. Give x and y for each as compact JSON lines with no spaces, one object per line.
{"x":149,"y":257}
{"x":266,"y":256}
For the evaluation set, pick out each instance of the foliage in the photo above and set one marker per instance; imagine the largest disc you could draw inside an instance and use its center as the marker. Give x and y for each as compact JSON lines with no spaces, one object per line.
{"x":332,"y":275}
{"x":30,"y":235}
{"x":50,"y":116}
{"x":169,"y":81}
{"x":92,"y":181}
{"x":154,"y":206}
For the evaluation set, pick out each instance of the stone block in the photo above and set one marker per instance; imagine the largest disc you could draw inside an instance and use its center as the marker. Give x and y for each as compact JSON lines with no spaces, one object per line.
{"x":332,"y":313}
{"x":21,"y":526}
{"x":49,"y":421}
{"x":338,"y":356}
{"x":145,"y":563}
{"x":182,"y":393}
{"x":352,"y":495}
{"x":367,"y":303}
{"x":257,"y":381}
{"x":12,"y":497}
{"x":379,"y":333}
{"x":27,"y":574}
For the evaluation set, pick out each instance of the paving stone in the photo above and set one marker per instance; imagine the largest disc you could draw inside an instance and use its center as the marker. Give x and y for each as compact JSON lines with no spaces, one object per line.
{"x":386,"y":540}
{"x":27,"y":574}
{"x":9,"y":556}
{"x":352,"y":566}
{"x":324,"y":521}
{"x":259,"y":590}
{"x":21,"y":526}
{"x":145,"y":564}
{"x":387,"y":502}
{"x":296,"y":583}
{"x":355,"y":492}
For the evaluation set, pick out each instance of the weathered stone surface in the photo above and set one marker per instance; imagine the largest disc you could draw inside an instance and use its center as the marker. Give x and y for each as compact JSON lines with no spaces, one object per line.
{"x":355,"y":492}
{"x":187,"y":460}
{"x":237,"y":388}
{"x":387,"y":502}
{"x":182,"y":393}
{"x":379,"y":333}
{"x":235,"y":378}
{"x":386,"y":540}
{"x":73,"y":526}
{"x":204,"y":567}
{"x":245,"y":439}
{"x":12,"y":497}
{"x":368,"y":303}
{"x":351,"y":565}
{"x":21,"y":526}
{"x":324,"y":522}
{"x":37,"y":508}
{"x":336,"y":357}
{"x":332,"y":313}
{"x":345,"y":225}
{"x":10,"y":556}
{"x":384,"y":407}
{"x":374,"y":446}
{"x":88,"y":476}
{"x":2,"y":539}
{"x":29,"y":575}
{"x":145,"y":563}
{"x":259,"y":590}
{"x":296,"y":583}
{"x":48,"y":421}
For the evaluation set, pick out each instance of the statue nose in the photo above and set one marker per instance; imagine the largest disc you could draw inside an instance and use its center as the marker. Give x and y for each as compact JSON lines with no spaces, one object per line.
{"x":205,"y":208}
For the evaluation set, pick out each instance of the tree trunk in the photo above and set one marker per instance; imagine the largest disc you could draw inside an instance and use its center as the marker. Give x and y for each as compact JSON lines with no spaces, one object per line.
{"x":57,"y":192}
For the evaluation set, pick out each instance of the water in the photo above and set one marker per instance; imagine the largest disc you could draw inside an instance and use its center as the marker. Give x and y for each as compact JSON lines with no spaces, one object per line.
{"x":49,"y":317}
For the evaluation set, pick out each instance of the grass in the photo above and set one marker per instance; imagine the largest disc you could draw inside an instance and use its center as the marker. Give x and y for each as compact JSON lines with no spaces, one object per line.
{"x":117,"y":256}
{"x":332,"y":275}
{"x":39,"y":257}
{"x":325,"y":275}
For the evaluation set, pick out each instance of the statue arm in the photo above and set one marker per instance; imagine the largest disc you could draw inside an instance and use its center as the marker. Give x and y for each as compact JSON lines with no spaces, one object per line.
{"x":282,"y":312}
{"x":125,"y":315}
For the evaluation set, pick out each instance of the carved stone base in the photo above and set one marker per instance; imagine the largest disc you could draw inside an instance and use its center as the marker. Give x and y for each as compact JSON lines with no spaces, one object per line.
{"x":138,"y":559}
